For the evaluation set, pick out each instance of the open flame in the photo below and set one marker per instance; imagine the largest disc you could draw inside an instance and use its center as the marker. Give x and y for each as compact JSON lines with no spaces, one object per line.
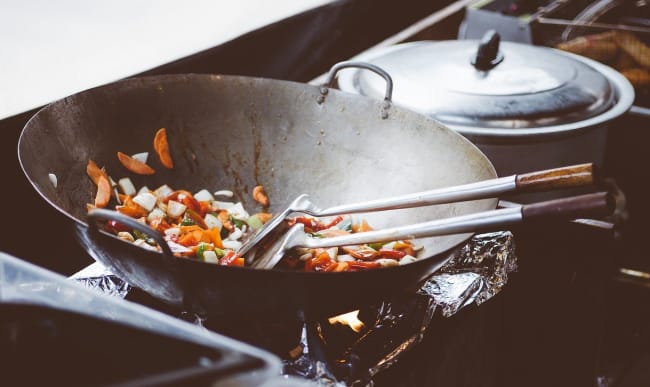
{"x":350,"y":319}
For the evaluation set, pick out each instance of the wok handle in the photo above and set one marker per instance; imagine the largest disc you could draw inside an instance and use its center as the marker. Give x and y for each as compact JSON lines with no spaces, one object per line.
{"x":329,"y":82}
{"x":101,"y":214}
{"x":564,"y":177}
{"x":590,"y":205}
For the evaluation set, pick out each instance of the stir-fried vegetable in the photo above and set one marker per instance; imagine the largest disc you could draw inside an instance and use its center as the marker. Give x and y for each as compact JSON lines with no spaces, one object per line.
{"x":346,"y":258}
{"x":198,"y":226}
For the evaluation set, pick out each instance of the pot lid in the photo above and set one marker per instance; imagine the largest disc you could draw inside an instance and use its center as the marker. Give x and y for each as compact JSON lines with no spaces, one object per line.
{"x":487,"y":84}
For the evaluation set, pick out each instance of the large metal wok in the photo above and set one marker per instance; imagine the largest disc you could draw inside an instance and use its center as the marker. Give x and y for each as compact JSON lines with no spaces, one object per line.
{"x":232,"y":132}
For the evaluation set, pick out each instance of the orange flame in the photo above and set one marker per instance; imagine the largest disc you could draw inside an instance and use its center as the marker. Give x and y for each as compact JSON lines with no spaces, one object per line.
{"x":350,"y":319}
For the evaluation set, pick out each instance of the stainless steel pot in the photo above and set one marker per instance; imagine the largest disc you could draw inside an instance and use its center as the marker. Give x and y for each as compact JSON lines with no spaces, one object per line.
{"x":525,"y":107}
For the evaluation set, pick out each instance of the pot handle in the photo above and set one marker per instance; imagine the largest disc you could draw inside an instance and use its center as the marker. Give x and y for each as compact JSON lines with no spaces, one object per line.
{"x":488,"y":54}
{"x":100,"y":214}
{"x":329,"y":82}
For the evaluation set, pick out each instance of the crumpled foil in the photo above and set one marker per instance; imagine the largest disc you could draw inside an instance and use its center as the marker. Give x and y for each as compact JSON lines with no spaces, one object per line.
{"x":474,"y":274}
{"x":98,"y":277}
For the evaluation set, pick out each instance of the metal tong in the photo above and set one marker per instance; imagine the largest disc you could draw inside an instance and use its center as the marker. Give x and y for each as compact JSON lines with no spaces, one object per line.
{"x":565,"y":177}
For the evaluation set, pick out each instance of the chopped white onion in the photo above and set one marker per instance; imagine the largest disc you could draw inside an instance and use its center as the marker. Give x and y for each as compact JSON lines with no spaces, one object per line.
{"x":387,"y":262}
{"x":175,"y":209}
{"x":155,"y":214}
{"x":232,"y":245}
{"x":210,"y":256}
{"x":126,"y":236}
{"x":304,"y":257}
{"x":142,"y":243}
{"x":222,"y":205}
{"x":238,"y":211}
{"x":212,"y":221}
{"x":53,"y":179}
{"x":127,"y":187}
{"x":177,"y":247}
{"x":236,"y":234}
{"x":224,"y":192}
{"x":407,"y":259}
{"x":172,"y":232}
{"x":333,"y":252}
{"x":203,"y":196}
{"x":146,"y":199}
{"x":163,"y":191}
{"x":345,"y":258}
{"x":144,"y":189}
{"x":142,"y":156}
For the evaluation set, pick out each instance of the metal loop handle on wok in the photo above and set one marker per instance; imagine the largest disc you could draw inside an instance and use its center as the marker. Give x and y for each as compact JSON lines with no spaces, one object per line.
{"x":100,"y":214}
{"x":329,"y":83}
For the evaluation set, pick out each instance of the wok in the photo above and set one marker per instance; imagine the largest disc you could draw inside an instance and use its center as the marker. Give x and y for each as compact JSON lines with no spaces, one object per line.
{"x":234,"y":132}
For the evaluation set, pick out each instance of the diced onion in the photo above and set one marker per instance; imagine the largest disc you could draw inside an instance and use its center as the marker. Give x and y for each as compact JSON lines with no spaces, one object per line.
{"x":387,"y":262}
{"x":203,"y":196}
{"x":210,"y":256}
{"x":222,"y":205}
{"x":407,"y":259}
{"x":144,"y":189}
{"x":126,"y":236}
{"x":172,"y":232}
{"x":163,"y":191}
{"x":127,"y":187}
{"x":212,"y":221}
{"x":175,"y":209}
{"x":143,"y":243}
{"x":345,"y":258}
{"x":155,"y":214}
{"x":238,"y":211}
{"x":236,"y":234}
{"x":232,"y":245}
{"x":142,"y":156}
{"x":146,"y":199}
{"x":224,"y":192}
{"x":53,"y":179}
{"x":177,"y":247}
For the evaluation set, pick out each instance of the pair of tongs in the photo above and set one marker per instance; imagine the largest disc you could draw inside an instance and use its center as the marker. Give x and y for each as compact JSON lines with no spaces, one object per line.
{"x":565,"y":177}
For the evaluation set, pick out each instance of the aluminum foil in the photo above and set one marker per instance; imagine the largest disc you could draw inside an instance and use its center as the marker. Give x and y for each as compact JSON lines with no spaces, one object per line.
{"x":98,"y":277}
{"x":334,"y":356}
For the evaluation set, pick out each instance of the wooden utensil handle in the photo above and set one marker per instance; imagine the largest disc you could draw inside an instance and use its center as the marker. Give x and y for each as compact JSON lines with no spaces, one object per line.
{"x":590,"y":205}
{"x":564,"y":177}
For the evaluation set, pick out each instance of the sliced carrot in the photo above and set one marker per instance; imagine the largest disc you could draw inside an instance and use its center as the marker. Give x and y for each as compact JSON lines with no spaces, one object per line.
{"x":94,"y":172}
{"x":133,"y":165}
{"x":103,"y":192}
{"x":239,"y":261}
{"x":131,"y":208}
{"x":161,"y":146}
{"x":260,"y":196}
{"x":363,"y":227}
{"x":215,"y":237}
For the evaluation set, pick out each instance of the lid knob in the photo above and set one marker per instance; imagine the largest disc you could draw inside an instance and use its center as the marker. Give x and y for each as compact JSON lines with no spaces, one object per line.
{"x":488,"y":54}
